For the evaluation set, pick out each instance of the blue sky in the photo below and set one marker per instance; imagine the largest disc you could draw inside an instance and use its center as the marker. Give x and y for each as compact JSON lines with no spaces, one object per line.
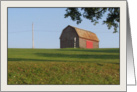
{"x":48,"y":25}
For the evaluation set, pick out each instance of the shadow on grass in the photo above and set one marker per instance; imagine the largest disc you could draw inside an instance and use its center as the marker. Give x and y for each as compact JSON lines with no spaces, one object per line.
{"x":114,"y":50}
{"x":78,"y":56}
{"x":45,"y":60}
{"x":23,"y":59}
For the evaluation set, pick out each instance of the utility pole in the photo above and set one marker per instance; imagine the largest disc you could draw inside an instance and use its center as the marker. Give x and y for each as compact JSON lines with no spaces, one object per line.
{"x":32,"y":37}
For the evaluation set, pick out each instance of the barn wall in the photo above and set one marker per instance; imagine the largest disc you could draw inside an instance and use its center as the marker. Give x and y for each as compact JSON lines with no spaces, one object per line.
{"x":95,"y":44}
{"x":82,"y":43}
{"x":67,"y":38}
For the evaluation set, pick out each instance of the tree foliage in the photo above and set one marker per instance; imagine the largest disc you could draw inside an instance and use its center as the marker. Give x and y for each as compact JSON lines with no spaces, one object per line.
{"x":94,"y":15}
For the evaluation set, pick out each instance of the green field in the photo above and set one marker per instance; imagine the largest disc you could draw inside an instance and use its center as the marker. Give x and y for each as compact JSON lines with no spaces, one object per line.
{"x":63,"y":66}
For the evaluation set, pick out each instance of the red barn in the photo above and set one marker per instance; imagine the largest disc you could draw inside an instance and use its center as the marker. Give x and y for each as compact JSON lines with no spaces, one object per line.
{"x":72,"y":37}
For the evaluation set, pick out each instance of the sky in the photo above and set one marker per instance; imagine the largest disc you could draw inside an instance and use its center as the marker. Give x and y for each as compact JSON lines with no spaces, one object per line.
{"x":48,"y":24}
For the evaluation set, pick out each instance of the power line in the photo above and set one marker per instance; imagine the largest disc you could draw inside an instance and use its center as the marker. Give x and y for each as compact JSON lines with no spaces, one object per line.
{"x":33,"y":30}
{"x":51,"y":31}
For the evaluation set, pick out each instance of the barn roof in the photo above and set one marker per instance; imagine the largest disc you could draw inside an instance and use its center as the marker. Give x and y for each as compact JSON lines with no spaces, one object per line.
{"x":86,"y":34}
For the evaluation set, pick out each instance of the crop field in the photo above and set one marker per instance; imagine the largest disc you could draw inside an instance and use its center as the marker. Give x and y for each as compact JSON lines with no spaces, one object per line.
{"x":64,"y":66}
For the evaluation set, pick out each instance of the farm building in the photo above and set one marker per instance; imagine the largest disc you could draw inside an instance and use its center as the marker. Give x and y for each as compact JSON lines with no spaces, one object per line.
{"x":72,"y":37}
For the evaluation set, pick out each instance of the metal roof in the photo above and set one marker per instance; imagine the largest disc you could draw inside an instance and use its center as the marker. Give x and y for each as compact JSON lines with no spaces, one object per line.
{"x":86,"y":34}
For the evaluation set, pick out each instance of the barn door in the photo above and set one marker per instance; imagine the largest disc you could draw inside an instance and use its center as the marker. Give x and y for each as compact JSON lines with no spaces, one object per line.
{"x":89,"y":44}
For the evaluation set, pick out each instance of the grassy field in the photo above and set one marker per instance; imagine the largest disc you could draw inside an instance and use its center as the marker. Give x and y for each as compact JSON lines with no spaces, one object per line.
{"x":63,"y":66}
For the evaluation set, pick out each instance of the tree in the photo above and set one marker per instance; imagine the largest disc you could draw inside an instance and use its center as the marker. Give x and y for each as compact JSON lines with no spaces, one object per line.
{"x":94,"y":14}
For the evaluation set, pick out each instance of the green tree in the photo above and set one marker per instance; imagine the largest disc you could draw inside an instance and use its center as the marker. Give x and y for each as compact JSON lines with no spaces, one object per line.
{"x":94,"y":14}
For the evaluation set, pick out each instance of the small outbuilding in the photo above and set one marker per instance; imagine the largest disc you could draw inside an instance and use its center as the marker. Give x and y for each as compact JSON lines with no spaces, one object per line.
{"x":72,"y":37}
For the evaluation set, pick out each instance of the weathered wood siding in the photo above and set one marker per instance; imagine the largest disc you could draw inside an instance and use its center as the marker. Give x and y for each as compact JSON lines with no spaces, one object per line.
{"x":82,"y":43}
{"x":67,"y":38}
{"x":95,"y":44}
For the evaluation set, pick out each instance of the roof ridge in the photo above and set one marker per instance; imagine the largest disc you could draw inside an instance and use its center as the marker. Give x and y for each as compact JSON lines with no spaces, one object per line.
{"x":81,"y":29}
{"x":85,"y":33}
